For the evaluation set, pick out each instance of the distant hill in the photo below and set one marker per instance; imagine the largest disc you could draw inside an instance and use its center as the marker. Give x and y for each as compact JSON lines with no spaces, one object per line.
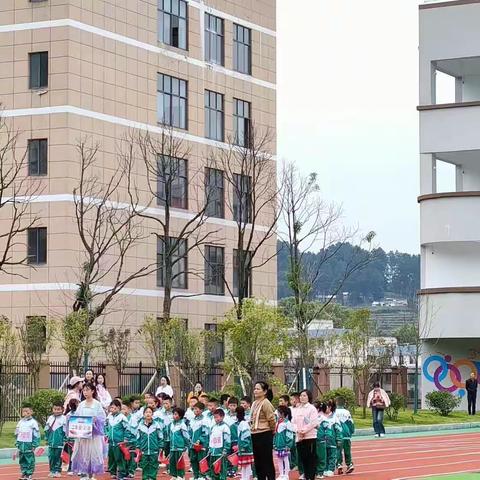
{"x":392,"y":274}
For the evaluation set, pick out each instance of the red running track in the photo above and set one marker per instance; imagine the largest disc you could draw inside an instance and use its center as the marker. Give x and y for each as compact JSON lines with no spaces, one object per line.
{"x":376,"y":459}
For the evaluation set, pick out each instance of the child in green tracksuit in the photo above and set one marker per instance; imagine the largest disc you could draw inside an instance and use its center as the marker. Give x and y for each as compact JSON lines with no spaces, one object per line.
{"x":329,"y":431}
{"x":27,"y":435}
{"x":348,"y":429}
{"x":165,"y":417}
{"x":55,"y":434}
{"x":130,"y":438}
{"x":179,"y":443}
{"x":283,"y":441}
{"x":199,"y":433}
{"x":218,"y":446}
{"x":115,"y":427}
{"x":245,"y":448}
{"x":231,"y":421}
{"x":149,"y":441}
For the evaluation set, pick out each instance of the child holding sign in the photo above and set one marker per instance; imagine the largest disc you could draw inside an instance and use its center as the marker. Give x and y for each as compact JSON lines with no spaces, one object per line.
{"x":55,"y":436}
{"x":27,"y":436}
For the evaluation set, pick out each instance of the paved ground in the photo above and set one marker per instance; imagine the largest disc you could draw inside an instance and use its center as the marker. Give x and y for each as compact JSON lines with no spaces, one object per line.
{"x":396,"y":458}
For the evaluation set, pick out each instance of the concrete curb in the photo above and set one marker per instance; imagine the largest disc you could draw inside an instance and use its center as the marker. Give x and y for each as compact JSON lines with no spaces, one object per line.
{"x":361,"y":432}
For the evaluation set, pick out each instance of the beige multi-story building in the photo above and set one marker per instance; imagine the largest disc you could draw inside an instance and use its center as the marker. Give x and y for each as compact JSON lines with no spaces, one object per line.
{"x":101,"y":70}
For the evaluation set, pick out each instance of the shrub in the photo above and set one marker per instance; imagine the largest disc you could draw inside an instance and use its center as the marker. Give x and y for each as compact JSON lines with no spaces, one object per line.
{"x":442,"y":402}
{"x":397,"y":402}
{"x":42,"y":402}
{"x":347,"y":394}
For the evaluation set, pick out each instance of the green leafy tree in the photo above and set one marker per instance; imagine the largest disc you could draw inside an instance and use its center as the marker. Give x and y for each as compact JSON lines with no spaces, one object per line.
{"x":42,"y":402}
{"x":442,"y":402}
{"x":35,"y":335}
{"x":76,"y":338}
{"x":367,"y":354}
{"x":256,"y":340}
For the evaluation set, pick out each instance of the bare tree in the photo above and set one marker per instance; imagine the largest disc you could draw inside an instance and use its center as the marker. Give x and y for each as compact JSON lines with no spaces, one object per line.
{"x":165,"y":159}
{"x":116,"y":343}
{"x":250,"y":174}
{"x":109,"y":231}
{"x":309,"y":222}
{"x":17,"y":190}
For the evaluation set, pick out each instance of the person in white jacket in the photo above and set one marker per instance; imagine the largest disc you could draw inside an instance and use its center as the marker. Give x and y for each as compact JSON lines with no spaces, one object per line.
{"x":378,"y":400}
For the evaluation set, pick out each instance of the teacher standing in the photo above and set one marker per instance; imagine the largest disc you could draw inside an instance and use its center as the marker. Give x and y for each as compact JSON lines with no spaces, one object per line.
{"x":262,"y":424}
{"x":87,"y":456}
{"x":471,"y":385}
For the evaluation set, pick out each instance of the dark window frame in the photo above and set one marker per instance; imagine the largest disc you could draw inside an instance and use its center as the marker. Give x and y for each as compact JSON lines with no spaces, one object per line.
{"x":166,"y":33}
{"x":242,"y":122}
{"x":214,"y":281}
{"x":240,"y":45}
{"x":170,"y":93}
{"x":36,"y":254}
{"x":214,"y":39}
{"x":242,"y":198}
{"x":218,"y":352}
{"x":236,"y":267}
{"x":215,"y":206}
{"x":176,"y":274}
{"x":214,"y":114}
{"x":38,"y":147}
{"x":179,"y":180}
{"x":38,"y":61}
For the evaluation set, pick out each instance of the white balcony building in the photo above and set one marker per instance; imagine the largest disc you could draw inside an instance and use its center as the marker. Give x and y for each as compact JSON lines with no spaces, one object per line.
{"x":450,"y":193}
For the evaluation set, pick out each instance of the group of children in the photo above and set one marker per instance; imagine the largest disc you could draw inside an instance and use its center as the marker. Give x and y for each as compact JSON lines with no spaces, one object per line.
{"x":214,"y":434}
{"x":335,"y":428}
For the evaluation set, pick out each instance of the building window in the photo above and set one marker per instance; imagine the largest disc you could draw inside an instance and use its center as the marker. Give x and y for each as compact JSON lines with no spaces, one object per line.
{"x":37,"y":157}
{"x":35,"y":334}
{"x":242,"y":198}
{"x":172,"y":182}
{"x":214,"y":38}
{"x":177,"y":249}
{"x":38,"y":70}
{"x":214,"y":270}
{"x":172,"y":101}
{"x":37,"y":245}
{"x":172,"y":23}
{"x":241,"y":122}
{"x":215,"y":349}
{"x":247,"y":272}
{"x":214,"y":115}
{"x":242,"y":49}
{"x":214,"y":192}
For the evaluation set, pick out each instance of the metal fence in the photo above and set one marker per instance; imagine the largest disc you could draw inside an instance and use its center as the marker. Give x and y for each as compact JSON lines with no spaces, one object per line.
{"x":135,"y":378}
{"x":16,"y":384}
{"x":60,"y":373}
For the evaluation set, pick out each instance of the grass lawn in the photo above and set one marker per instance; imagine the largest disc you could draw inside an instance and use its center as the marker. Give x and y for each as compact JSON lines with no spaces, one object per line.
{"x":7,"y":438}
{"x":406,"y":417}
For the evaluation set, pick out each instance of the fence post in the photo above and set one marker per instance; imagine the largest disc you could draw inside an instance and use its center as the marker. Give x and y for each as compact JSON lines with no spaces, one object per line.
{"x":44,"y":376}
{"x":111,"y":376}
{"x":140,"y":378}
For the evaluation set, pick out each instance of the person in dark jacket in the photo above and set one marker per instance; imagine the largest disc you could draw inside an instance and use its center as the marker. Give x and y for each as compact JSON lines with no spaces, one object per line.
{"x":471,"y":385}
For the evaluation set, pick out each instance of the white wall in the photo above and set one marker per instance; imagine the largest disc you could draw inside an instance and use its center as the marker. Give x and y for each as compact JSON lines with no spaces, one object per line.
{"x":452,"y":265}
{"x":462,"y":356}
{"x":471,"y":88}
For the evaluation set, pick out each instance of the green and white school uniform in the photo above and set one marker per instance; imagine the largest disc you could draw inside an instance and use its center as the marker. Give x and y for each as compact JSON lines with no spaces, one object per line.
{"x":131,"y":438}
{"x":218,"y":447}
{"x":116,"y":427}
{"x":231,"y":421}
{"x":245,"y":448}
{"x":27,"y":436}
{"x":345,"y":419}
{"x":165,"y":418}
{"x":179,"y":443}
{"x":330,"y":430}
{"x":199,"y":432}
{"x":56,"y":438}
{"x":149,"y":441}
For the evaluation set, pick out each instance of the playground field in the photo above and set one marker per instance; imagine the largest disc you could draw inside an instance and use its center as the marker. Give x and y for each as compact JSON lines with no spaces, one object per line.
{"x":396,"y":458}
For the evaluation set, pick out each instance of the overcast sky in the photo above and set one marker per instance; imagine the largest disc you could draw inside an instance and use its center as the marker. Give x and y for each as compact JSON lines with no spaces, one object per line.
{"x":347,"y":97}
